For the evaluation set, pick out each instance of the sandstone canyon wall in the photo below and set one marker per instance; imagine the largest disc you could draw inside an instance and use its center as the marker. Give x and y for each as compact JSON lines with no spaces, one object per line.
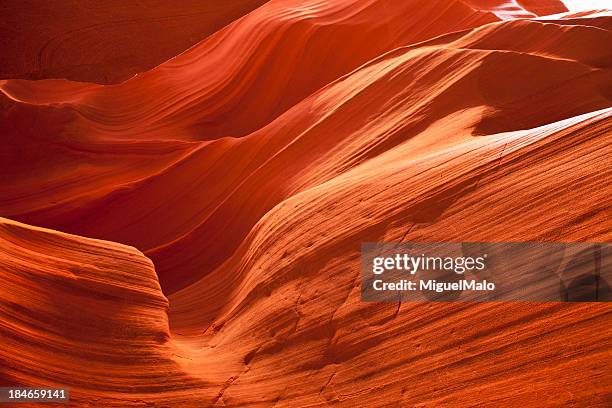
{"x":184,"y":190}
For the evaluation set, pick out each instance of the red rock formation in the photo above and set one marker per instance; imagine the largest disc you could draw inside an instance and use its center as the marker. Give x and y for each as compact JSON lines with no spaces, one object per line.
{"x":246,"y":75}
{"x":458,"y":128}
{"x":104,"y":42}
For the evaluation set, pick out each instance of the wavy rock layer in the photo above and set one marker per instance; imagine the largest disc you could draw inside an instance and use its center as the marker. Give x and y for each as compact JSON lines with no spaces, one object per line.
{"x":79,"y":311}
{"x":466,"y":125}
{"x":451,"y":82}
{"x":267,"y":61}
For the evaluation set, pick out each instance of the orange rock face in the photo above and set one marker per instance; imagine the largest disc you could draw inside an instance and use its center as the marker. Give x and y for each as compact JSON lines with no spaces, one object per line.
{"x":249,"y":169}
